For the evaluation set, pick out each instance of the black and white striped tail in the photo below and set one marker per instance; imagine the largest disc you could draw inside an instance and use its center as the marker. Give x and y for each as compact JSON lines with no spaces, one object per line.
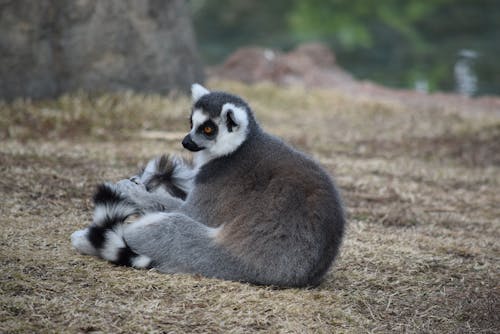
{"x":171,"y":173}
{"x":106,"y":233}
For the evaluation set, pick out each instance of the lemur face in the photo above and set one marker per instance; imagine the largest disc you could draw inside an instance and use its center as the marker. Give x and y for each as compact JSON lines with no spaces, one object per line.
{"x":218,"y":125}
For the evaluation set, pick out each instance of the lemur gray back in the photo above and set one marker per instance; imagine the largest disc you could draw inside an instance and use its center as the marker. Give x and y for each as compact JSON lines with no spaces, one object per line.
{"x":253,"y":209}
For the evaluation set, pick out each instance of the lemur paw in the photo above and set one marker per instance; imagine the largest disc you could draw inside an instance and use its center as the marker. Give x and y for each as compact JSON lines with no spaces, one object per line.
{"x":130,"y":188}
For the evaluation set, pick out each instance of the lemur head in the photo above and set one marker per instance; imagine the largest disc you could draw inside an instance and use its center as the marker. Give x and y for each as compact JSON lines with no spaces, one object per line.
{"x":220,"y":123}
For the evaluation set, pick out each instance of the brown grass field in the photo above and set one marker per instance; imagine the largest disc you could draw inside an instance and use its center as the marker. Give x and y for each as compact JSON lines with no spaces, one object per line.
{"x":421,"y":187}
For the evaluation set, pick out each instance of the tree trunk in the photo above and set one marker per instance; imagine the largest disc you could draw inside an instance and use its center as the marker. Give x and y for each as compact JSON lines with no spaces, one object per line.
{"x":49,"y":47}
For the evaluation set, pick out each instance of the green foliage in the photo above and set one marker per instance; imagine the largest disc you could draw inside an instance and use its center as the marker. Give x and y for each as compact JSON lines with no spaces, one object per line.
{"x":223,"y":25}
{"x":308,"y":20}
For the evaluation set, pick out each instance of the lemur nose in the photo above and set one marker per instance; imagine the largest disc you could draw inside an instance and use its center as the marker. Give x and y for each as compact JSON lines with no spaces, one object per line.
{"x":189,"y":144}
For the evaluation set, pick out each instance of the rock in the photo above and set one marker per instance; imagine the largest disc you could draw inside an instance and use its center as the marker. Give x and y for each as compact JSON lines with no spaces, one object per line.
{"x":317,"y":53}
{"x":248,"y":64}
{"x":311,"y":64}
{"x":54,"y":46}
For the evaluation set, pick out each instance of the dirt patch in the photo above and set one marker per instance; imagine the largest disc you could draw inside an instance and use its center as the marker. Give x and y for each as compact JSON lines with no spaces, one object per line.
{"x":476,"y":148}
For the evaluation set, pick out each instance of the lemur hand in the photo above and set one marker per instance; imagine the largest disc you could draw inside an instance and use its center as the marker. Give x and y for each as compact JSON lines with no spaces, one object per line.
{"x":131,"y":188}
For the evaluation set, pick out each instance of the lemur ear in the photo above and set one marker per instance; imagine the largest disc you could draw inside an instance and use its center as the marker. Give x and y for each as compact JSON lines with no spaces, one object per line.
{"x":197,"y":91}
{"x":235,"y":117}
{"x":230,"y":120}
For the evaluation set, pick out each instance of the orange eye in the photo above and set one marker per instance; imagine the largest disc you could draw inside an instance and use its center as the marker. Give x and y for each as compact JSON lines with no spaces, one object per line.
{"x":208,"y":130}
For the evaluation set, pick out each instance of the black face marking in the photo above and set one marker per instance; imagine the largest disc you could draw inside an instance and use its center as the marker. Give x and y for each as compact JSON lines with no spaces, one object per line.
{"x":208,"y":129}
{"x":230,"y":123}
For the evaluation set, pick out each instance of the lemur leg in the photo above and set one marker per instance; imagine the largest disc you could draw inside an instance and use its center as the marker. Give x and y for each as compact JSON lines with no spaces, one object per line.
{"x":175,"y":243}
{"x":170,"y":242}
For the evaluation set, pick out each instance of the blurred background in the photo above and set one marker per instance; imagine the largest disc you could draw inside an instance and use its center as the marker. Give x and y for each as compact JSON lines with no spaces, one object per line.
{"x":50,"y":47}
{"x":445,"y":45}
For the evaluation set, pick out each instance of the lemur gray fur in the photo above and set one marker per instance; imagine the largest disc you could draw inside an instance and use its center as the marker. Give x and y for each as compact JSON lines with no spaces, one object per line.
{"x":250,"y":208}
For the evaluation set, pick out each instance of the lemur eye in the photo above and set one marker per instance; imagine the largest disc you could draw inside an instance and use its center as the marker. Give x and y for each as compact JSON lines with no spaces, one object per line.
{"x":208,"y":130}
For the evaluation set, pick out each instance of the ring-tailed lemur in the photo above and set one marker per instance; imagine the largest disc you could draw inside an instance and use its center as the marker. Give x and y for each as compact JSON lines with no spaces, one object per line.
{"x":251,"y":208}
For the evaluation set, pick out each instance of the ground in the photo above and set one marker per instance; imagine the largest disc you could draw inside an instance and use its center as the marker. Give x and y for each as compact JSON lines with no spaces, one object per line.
{"x":420,"y":186}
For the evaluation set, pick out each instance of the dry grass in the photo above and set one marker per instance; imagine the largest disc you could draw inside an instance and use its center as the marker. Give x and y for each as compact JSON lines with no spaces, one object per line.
{"x":421,"y":188}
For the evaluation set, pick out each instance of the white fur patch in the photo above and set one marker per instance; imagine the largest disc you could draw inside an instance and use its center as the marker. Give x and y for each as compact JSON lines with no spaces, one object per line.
{"x":227,"y":142}
{"x":197,"y":91}
{"x":149,"y":171}
{"x":114,"y":242}
{"x":141,"y":261}
{"x":81,"y":243}
{"x":214,"y":232}
{"x":201,"y":158}
{"x":102,"y":212}
{"x":240,"y":114}
{"x":198,"y":118}
{"x":183,"y":174}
